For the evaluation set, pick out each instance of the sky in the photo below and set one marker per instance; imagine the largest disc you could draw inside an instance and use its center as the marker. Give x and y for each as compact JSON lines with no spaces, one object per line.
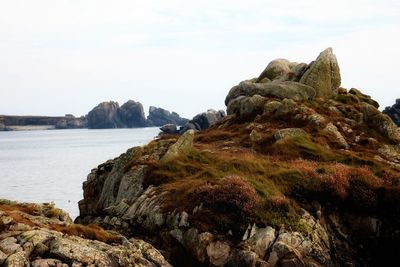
{"x":66,"y":56}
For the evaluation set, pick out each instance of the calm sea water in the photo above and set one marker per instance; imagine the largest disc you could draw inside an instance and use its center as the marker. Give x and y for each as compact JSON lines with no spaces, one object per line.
{"x":45,"y":166}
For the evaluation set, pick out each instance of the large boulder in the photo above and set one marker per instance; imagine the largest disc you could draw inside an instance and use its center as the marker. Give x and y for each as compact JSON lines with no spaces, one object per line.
{"x":104,"y":115}
{"x":286,"y":89}
{"x":183,"y":145}
{"x":381,"y":122}
{"x":393,"y":112}
{"x":131,"y":114}
{"x":323,"y":74}
{"x":275,"y":68}
{"x":160,"y":117}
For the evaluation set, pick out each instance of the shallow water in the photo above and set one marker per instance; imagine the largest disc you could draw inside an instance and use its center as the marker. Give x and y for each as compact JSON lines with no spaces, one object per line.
{"x":45,"y":166}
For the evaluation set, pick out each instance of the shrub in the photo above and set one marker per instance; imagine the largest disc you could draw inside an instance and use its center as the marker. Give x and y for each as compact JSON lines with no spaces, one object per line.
{"x":231,"y":201}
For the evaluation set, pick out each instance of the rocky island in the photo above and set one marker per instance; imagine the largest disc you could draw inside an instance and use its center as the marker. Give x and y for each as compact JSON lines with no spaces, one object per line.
{"x":106,"y":115}
{"x":109,"y":115}
{"x":301,"y":172}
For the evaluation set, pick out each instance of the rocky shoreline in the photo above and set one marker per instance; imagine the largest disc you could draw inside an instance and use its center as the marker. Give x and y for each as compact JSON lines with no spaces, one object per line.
{"x":300,"y":172}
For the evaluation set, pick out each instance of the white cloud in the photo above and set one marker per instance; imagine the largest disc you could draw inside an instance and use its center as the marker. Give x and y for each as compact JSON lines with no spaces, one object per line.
{"x":65,"y":56}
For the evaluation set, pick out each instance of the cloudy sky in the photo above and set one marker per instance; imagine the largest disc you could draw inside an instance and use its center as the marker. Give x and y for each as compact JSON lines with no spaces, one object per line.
{"x":66,"y":56}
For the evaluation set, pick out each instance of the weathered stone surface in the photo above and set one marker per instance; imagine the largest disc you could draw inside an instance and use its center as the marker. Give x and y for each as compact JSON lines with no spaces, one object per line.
{"x":333,"y":131}
{"x":262,"y":239}
{"x":287,"y":89}
{"x":380,"y":121}
{"x":10,"y":245}
{"x":182,"y":146}
{"x":197,"y":243}
{"x":289,"y":133}
{"x":218,"y":253}
{"x":48,"y":263}
{"x":323,"y":74}
{"x":364,"y":98}
{"x":146,"y":210}
{"x":275,"y":68}
{"x":41,"y":246}
{"x":17,"y":259}
{"x":101,"y":189}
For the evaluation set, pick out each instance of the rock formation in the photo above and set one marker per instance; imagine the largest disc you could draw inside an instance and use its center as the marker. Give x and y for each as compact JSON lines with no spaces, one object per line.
{"x":302,"y":172}
{"x":131,"y":114}
{"x":42,"y":236}
{"x":104,"y":115}
{"x":394,"y":112}
{"x":160,"y":117}
{"x":2,"y":125}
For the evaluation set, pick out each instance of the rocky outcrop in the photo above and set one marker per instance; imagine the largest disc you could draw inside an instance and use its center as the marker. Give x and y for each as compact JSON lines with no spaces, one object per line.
{"x":104,"y":115}
{"x":110,"y":115}
{"x":131,"y":114}
{"x":394,"y":112}
{"x":284,"y":79}
{"x":323,"y":74}
{"x":301,"y":172}
{"x":160,"y":117}
{"x":41,"y":235}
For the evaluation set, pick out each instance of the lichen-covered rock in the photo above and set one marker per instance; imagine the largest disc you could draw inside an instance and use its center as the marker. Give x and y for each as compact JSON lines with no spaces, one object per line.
{"x":323,"y":74}
{"x":275,"y":68}
{"x":99,"y":189}
{"x":364,"y":98}
{"x":290,"y":133}
{"x":285,"y":89}
{"x":261,"y":241}
{"x":380,"y":121}
{"x":17,"y":259}
{"x":48,"y":242}
{"x":48,"y":263}
{"x":182,"y":146}
{"x":333,"y":131}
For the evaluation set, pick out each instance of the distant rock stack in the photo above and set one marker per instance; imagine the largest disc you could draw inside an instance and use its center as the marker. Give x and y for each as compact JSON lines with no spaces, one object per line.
{"x":160,"y":117}
{"x":2,"y":125}
{"x":394,"y":112}
{"x":104,"y":115}
{"x":130,"y":115}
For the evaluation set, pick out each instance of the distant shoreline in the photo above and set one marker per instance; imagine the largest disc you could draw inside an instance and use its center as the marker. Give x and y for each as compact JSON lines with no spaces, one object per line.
{"x":30,"y":127}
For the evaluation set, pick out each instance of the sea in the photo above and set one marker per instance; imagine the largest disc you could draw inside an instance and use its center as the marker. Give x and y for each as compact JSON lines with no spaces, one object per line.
{"x":51,"y":165}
